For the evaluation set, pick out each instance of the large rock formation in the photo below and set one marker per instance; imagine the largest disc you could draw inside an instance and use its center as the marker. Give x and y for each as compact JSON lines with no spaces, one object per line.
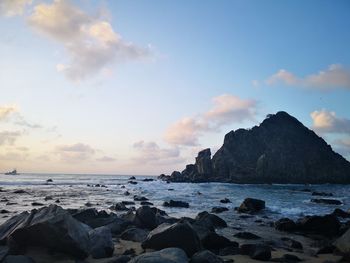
{"x":280,"y":150}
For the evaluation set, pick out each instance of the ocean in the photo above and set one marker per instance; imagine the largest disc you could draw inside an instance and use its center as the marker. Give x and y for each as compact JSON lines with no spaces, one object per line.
{"x":73,"y":192}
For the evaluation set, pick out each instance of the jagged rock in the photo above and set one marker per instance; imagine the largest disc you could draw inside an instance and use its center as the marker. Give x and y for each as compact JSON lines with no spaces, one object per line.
{"x":173,"y":203}
{"x":251,"y":205}
{"x":180,"y":235}
{"x":167,"y":255}
{"x":246,"y":235}
{"x":326,"y":201}
{"x":51,"y":227}
{"x":218,"y":209}
{"x":205,"y":256}
{"x":280,"y":150}
{"x":18,"y":259}
{"x":101,"y":242}
{"x":135,"y":234}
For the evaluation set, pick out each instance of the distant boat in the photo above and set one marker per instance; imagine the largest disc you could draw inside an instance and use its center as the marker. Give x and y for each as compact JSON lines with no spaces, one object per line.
{"x":14,"y":172}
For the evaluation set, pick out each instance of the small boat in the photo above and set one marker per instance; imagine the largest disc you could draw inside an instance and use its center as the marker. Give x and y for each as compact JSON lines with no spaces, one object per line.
{"x":14,"y":172}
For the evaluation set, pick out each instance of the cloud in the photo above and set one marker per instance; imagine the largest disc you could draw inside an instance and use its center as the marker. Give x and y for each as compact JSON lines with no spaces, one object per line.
{"x":343,"y":146}
{"x":6,"y":111}
{"x":106,"y":159}
{"x":90,"y":42}
{"x":327,"y":122}
{"x":22,"y":122}
{"x":13,"y":156}
{"x":335,"y":76}
{"x":227,"y":109}
{"x":75,"y":152}
{"x":13,"y":7}
{"x":150,"y":152}
{"x":9,"y":137}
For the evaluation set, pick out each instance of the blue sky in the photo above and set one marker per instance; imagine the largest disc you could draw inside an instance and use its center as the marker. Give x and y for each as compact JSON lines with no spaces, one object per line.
{"x":138,"y":87}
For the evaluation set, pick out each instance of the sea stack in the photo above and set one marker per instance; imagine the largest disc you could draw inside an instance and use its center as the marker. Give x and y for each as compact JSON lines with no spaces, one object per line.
{"x":280,"y":150}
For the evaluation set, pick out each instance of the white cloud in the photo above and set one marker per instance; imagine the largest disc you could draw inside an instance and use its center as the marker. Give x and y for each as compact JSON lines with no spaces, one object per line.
{"x":151,"y":153}
{"x":13,"y":7}
{"x":75,"y":152}
{"x":335,"y":76}
{"x":106,"y":159}
{"x":328,"y":122}
{"x":91,"y":43}
{"x":227,"y":109}
{"x":6,"y":111}
{"x":9,"y":137}
{"x":13,"y":156}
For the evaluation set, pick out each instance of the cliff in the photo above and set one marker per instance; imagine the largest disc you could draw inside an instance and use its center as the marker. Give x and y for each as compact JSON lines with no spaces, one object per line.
{"x":280,"y":150}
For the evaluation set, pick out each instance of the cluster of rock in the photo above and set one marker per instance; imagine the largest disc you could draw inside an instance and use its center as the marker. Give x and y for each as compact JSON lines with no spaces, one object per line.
{"x":280,"y":150}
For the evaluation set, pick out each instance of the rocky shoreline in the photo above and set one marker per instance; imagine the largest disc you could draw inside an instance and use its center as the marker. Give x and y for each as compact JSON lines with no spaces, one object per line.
{"x":148,"y":234}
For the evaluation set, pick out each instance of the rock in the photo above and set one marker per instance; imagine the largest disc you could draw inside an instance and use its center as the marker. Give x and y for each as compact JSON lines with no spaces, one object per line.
{"x":4,"y":211}
{"x":213,"y":241}
{"x":140,"y":198}
{"x":145,"y":203}
{"x":280,"y":150}
{"x":88,"y":204}
{"x":51,"y":227}
{"x":101,"y":242}
{"x":173,"y":203}
{"x":94,"y":218}
{"x":128,"y":202}
{"x":167,"y":255}
{"x":327,"y":225}
{"x":135,"y":234}
{"x":4,"y":251}
{"x":341,"y":213}
{"x":285,"y":224}
{"x":132,"y":178}
{"x":326,"y":250}
{"x":47,"y":198}
{"x":246,"y":235}
{"x":205,"y":256}
{"x":126,"y":193}
{"x":326,"y":201}
{"x":179,"y":235}
{"x":256,"y":251}
{"x":251,"y":205}
{"x":343,"y":243}
{"x":20,"y":191}
{"x":232,"y":250}
{"x":148,"y":180}
{"x":287,"y":258}
{"x":219,"y":209}
{"x":145,"y":217}
{"x":322,"y":194}
{"x":120,"y":207}
{"x":132,"y":182}
{"x":291,"y":243}
{"x":225,"y":201}
{"x":119,"y":259}
{"x":49,"y":180}
{"x":210,"y":221}
{"x":37,"y":204}
{"x":18,"y":259}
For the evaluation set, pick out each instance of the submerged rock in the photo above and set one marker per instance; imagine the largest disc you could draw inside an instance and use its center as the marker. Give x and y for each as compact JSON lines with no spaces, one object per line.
{"x":180,"y":235}
{"x":219,"y":209}
{"x":326,"y":201}
{"x":173,"y":203}
{"x":167,"y":255}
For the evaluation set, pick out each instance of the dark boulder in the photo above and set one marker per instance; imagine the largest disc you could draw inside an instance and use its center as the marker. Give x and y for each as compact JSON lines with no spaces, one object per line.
{"x":343,"y":243}
{"x":51,"y":227}
{"x":246,"y":235}
{"x":225,"y":201}
{"x":167,"y":255}
{"x":321,"y":194}
{"x":327,"y":225}
{"x":256,"y":251}
{"x":132,"y":178}
{"x":291,"y":243}
{"x":134,"y":234}
{"x":101,"y":242}
{"x":119,"y":259}
{"x":326,"y":201}
{"x":140,"y":198}
{"x":205,"y":256}
{"x":285,"y":224}
{"x":145,"y":203}
{"x":120,"y":207}
{"x":341,"y":213}
{"x":145,"y":217}
{"x":251,"y":205}
{"x":4,"y":251}
{"x":219,"y":209}
{"x":179,"y":235}
{"x":287,"y":258}
{"x":18,"y":259}
{"x":210,"y":221}
{"x":173,"y":203}
{"x":214,"y":241}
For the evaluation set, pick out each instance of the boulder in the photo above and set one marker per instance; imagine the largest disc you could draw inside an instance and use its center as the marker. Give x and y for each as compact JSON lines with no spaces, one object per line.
{"x":246,"y":235}
{"x":120,"y":207}
{"x":180,"y":235}
{"x":341,"y":213}
{"x":326,"y":201}
{"x":285,"y":224}
{"x":219,"y":209}
{"x":321,"y":194}
{"x":213,"y":241}
{"x":51,"y":227}
{"x":4,"y":251}
{"x":173,"y":203}
{"x":134,"y":234}
{"x":205,"y":256}
{"x":140,"y":198}
{"x":343,"y":243}
{"x":210,"y":221}
{"x":251,"y":205}
{"x":119,"y":259}
{"x":101,"y":242}
{"x":256,"y":251}
{"x":145,"y":217}
{"x":291,"y":243}
{"x":167,"y":255}
{"x":327,"y":225}
{"x":287,"y":258}
{"x":225,"y":201}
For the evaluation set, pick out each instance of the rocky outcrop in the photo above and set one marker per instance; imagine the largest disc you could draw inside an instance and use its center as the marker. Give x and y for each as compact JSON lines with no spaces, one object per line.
{"x":280,"y":150}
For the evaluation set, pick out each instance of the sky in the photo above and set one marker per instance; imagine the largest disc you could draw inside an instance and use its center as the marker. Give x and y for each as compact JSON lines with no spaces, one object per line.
{"x":139,"y":87}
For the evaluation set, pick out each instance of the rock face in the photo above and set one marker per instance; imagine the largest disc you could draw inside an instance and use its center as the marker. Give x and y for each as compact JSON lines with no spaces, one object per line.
{"x":280,"y":150}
